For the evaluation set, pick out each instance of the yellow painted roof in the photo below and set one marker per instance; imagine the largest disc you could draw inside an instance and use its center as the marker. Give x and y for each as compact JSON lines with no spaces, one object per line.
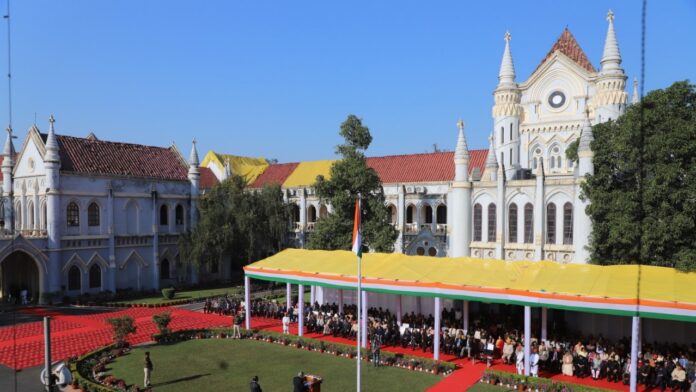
{"x":305,"y":174}
{"x":247,"y":167}
{"x":608,"y":288}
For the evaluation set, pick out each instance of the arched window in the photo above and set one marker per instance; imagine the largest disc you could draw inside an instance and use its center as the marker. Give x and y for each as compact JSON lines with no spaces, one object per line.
{"x":567,"y":224}
{"x":410,"y":212}
{"x":164,"y":215}
{"x":491,"y":222}
{"x":512,"y":223}
{"x":295,"y":213}
{"x":428,"y":212}
{"x":73,"y":215}
{"x":392,"y":214}
{"x":555,"y":158}
{"x":441,"y":214}
{"x":74,"y":278}
{"x":95,"y":276}
{"x":528,"y":223}
{"x":551,"y":223}
{"x":93,"y":214}
{"x":323,"y":212}
{"x":18,"y":216}
{"x":538,"y":156}
{"x":179,"y":215}
{"x":311,"y":214}
{"x":478,"y":211}
{"x":44,"y":214}
{"x":2,"y":214}
{"x":164,"y":269}
{"x":30,"y":215}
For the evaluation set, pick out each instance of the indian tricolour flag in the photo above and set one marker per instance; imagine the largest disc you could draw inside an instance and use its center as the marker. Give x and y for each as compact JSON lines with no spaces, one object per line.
{"x":357,"y":231}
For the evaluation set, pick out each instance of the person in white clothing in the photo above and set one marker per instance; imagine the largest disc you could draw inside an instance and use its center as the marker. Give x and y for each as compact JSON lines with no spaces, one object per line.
{"x":534,"y":363}
{"x":286,"y":323}
{"x":519,"y":359}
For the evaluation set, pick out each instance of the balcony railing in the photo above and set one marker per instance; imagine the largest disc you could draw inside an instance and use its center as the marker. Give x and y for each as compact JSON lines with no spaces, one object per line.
{"x":411,"y":228}
{"x":441,"y":229}
{"x":310,"y":226}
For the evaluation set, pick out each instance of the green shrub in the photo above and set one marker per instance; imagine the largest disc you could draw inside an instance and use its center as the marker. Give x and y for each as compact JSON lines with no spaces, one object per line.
{"x":162,"y":321}
{"x":122,"y":326}
{"x":168,"y":292}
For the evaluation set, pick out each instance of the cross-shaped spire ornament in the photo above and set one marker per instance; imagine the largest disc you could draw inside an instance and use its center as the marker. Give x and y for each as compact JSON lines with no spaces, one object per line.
{"x":51,"y":121}
{"x":507,"y":36}
{"x":610,"y":16}
{"x":490,"y":139}
{"x":460,"y":124}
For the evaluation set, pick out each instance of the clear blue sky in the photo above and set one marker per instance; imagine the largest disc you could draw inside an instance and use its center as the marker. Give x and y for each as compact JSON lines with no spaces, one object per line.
{"x":275,"y":79}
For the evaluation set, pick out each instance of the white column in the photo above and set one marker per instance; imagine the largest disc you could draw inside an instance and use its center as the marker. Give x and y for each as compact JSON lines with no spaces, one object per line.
{"x":433,"y":222}
{"x":539,"y":213}
{"x":527,"y":338}
{"x":247,"y":304}
{"x":544,"y":322}
{"x":500,"y":216}
{"x":303,"y":216}
{"x":401,"y":219}
{"x":399,"y":309}
{"x":340,"y":301}
{"x":635,"y":331}
{"x":436,"y":343}
{"x":300,"y":316}
{"x":465,"y":316}
{"x":288,"y":296}
{"x":363,"y":320}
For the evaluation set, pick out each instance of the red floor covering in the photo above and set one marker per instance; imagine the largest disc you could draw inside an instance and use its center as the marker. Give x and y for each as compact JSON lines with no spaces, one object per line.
{"x":76,"y":335}
{"x":467,"y":373}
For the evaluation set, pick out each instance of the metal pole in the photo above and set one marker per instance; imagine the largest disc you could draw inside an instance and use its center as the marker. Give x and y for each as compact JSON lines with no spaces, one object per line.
{"x":527,"y":338}
{"x":247,"y":304}
{"x":635,"y":331}
{"x":363,"y":320}
{"x":436,"y":345}
{"x":360,"y":330}
{"x":47,"y":352}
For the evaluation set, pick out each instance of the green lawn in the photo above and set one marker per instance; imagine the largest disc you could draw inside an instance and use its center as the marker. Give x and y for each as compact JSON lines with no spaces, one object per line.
{"x":229,"y":365}
{"x":157,"y":299}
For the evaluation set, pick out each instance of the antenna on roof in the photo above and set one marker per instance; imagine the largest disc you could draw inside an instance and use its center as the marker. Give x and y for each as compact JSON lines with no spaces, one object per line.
{"x":9,"y":66}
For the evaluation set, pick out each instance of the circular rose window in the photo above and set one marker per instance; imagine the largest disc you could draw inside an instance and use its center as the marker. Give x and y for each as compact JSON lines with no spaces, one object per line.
{"x":557,"y":99}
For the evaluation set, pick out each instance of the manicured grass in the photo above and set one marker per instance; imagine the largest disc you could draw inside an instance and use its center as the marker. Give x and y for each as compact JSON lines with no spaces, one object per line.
{"x":229,"y":365}
{"x":192,"y":294}
{"x":480,"y":387}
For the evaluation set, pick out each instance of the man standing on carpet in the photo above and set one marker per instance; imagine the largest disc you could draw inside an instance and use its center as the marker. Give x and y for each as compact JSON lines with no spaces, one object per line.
{"x":519,"y":359}
{"x":286,"y":323}
{"x":147,"y":369}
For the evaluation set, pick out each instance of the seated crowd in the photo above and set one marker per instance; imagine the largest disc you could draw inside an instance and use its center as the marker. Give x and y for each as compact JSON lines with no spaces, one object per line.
{"x":660,"y":366}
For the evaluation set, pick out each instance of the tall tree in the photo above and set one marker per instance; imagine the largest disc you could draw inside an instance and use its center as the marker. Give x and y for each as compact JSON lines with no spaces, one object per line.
{"x":349,"y":176}
{"x":236,"y":222}
{"x":643,"y":194}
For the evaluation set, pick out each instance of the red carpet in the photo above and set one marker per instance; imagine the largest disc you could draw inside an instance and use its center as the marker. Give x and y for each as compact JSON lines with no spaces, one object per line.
{"x":76,"y":335}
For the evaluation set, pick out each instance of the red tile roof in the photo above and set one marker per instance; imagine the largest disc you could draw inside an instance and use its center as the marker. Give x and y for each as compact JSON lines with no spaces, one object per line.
{"x":274,"y":174}
{"x":97,"y":157}
{"x":208,"y":179}
{"x":426,"y":167}
{"x":567,"y":45}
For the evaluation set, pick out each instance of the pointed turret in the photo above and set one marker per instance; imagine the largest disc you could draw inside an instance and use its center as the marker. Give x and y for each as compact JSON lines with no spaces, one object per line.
{"x":228,"y":169}
{"x":8,"y":151}
{"x":585,"y":154}
{"x":635,"y":98}
{"x":506,"y":76}
{"x":491,"y":160}
{"x":193,"y":157}
{"x":7,"y":164}
{"x":461,"y":155}
{"x":51,"y":142}
{"x":611,"y":58}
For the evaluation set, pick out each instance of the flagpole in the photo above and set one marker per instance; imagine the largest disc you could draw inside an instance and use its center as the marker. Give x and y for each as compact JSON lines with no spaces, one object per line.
{"x":359,"y":254}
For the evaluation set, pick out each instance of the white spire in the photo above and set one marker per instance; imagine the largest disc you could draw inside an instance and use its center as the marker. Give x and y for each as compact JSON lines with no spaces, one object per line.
{"x":507,"y":68}
{"x":51,"y":142}
{"x":586,"y":137}
{"x":635,"y":98}
{"x":193,"y":157}
{"x":462,"y":151}
{"x":611,"y":58}
{"x":228,"y":168}
{"x":8,"y":151}
{"x":491,"y":160}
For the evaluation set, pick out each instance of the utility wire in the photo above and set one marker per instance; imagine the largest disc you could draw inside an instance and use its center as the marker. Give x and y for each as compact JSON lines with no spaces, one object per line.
{"x":9,"y":66}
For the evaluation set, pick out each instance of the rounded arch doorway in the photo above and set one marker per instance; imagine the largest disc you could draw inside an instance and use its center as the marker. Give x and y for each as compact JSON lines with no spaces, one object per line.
{"x":20,"y":279}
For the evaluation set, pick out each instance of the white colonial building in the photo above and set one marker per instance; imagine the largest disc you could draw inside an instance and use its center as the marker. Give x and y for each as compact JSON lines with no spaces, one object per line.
{"x":82,"y":215}
{"x":518,"y":200}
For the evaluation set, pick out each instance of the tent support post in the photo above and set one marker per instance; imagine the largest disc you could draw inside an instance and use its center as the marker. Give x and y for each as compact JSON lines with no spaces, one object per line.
{"x":300,"y":315}
{"x":247,"y":304}
{"x":544,"y":322}
{"x":465,"y":316}
{"x":288,"y":296}
{"x":635,"y":332}
{"x":527,"y":338}
{"x":436,"y":343}
{"x":398,"y":309}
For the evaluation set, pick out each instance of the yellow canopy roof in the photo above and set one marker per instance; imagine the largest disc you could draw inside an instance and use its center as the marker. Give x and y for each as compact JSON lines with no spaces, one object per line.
{"x":247,"y":167}
{"x":659,"y":293}
{"x":305,"y":174}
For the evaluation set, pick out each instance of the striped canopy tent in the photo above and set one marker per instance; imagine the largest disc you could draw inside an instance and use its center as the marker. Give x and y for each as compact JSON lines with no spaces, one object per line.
{"x":625,"y":290}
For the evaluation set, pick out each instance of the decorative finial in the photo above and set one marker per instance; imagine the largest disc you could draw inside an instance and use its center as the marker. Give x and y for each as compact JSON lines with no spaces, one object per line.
{"x":490,"y":139}
{"x":610,"y":16}
{"x":194,"y":141}
{"x":460,"y":124}
{"x":9,"y":129}
{"x":508,"y":36}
